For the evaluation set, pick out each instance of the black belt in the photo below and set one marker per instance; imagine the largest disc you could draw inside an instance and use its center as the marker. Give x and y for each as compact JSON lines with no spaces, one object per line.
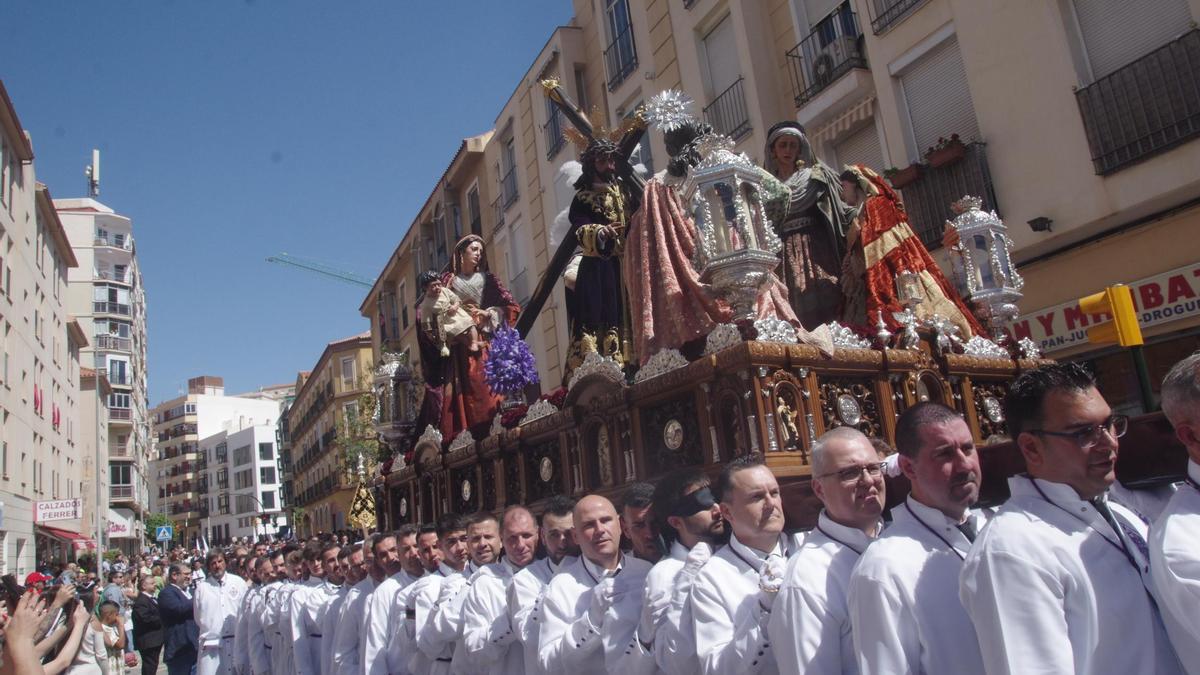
{"x":226,"y":637}
{"x":266,"y":645}
{"x":443,"y":659}
{"x":314,"y":635}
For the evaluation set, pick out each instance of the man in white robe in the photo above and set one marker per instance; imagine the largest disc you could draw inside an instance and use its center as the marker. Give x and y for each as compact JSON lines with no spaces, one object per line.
{"x":241,"y":626}
{"x":810,"y":623}
{"x":1059,"y":582}
{"x":260,"y":647}
{"x":350,"y":565}
{"x":733,"y":594}
{"x":345,"y":638}
{"x":371,"y":639}
{"x":216,"y":601}
{"x":275,"y":613}
{"x":638,"y":522}
{"x":1175,"y":536}
{"x":488,"y":636}
{"x":905,"y":614}
{"x":690,"y":520}
{"x":575,"y":615}
{"x":483,"y":545}
{"x":557,"y":534}
{"x":432,"y":654}
{"x":382,"y":618}
{"x":307,"y":607}
{"x":401,"y":644}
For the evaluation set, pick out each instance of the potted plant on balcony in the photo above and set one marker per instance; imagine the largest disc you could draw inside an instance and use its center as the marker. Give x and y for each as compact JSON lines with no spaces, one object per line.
{"x":946,"y":151}
{"x":901,"y":177}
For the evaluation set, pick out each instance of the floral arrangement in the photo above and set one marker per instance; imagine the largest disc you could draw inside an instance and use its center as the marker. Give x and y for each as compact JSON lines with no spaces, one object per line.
{"x":509,"y":367}
{"x":510,"y":418}
{"x":556,"y":398}
{"x":943,"y":143}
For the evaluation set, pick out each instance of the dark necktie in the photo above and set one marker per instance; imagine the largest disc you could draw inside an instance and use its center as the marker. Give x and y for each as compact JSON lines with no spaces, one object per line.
{"x":967,"y":527}
{"x":1119,"y":527}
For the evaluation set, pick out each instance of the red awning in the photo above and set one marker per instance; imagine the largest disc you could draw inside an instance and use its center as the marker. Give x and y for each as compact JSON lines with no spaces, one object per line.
{"x":76,"y":540}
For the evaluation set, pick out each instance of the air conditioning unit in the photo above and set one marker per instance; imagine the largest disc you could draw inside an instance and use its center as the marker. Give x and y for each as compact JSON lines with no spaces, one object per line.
{"x":840,"y":50}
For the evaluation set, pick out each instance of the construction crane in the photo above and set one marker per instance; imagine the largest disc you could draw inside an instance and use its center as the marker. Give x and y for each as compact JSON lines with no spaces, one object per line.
{"x":314,"y":266}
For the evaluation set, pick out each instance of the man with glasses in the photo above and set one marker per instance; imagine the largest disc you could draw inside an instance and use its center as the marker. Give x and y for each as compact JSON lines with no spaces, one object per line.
{"x":1059,"y":582}
{"x":905,"y":614}
{"x":1174,"y":554}
{"x":810,"y":625}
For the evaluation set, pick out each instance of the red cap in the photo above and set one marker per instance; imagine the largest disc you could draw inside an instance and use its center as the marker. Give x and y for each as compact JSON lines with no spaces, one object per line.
{"x":36,"y":578}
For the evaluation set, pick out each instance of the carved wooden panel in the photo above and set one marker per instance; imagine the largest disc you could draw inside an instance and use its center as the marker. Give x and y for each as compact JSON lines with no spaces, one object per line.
{"x":671,"y":435}
{"x":598,"y":451}
{"x":787,"y":408}
{"x":464,"y":489}
{"x":544,"y":471}
{"x":850,"y":402}
{"x":487,"y":484}
{"x":513,"y":493}
{"x":989,"y":410}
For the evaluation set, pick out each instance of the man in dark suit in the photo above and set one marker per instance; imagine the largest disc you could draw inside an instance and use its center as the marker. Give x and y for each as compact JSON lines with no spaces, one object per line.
{"x":181,"y":638}
{"x":147,"y":627}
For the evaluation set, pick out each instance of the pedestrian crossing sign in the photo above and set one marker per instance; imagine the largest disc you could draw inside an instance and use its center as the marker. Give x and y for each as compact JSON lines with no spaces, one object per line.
{"x":164,"y":533}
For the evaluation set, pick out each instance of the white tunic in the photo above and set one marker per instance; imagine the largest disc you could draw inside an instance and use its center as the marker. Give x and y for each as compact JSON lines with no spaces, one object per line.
{"x":445,"y":625}
{"x":302,"y":625}
{"x":1175,"y":569}
{"x":241,"y":631}
{"x":810,"y":622}
{"x":729,"y":623}
{"x":430,"y":654}
{"x":275,"y":617}
{"x":256,"y":638}
{"x":379,"y":623}
{"x":216,"y":605}
{"x":1052,"y":588}
{"x":568,"y":642}
{"x":905,"y":614}
{"x":525,"y":605}
{"x":329,"y":624}
{"x":488,"y":635}
{"x":345,"y":638}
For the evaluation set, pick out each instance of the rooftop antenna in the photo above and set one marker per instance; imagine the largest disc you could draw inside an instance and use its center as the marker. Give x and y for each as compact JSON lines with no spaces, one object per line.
{"x":93,"y":174}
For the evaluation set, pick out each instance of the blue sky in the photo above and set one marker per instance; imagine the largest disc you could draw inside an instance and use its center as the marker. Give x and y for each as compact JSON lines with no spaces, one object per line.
{"x":230,"y":131}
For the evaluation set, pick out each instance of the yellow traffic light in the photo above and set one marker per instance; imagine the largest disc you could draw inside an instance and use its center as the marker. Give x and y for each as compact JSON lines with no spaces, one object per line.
{"x":1116,"y":301}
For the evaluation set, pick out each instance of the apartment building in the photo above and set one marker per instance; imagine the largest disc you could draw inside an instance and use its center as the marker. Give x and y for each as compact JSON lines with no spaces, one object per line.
{"x":107,"y":295}
{"x":324,"y":479}
{"x":243,"y":481}
{"x":181,"y":469}
{"x":42,"y":434}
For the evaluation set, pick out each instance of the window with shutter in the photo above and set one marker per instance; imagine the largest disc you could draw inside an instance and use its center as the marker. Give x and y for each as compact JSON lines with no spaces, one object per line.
{"x":1118,"y":32}
{"x":861,"y":147}
{"x":937,"y":97}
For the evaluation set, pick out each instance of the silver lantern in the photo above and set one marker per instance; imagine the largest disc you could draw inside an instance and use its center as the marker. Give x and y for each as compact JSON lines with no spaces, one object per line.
{"x":983,"y":264}
{"x":737,"y":249}
{"x":395,"y":399}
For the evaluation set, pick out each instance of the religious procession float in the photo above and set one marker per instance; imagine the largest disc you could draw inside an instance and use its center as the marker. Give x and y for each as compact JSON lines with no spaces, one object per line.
{"x":716,"y":308}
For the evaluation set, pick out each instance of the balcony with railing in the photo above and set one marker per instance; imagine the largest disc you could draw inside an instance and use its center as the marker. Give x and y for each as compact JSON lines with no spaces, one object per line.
{"x":1144,"y":108}
{"x":120,"y":414}
{"x":927,"y":199}
{"x":520,"y":287}
{"x":728,"y":113}
{"x":120,"y":379}
{"x":831,"y":50}
{"x":114,"y":343}
{"x":886,"y":13}
{"x":498,"y":209}
{"x":102,"y":307}
{"x":121,"y":492}
{"x":123,"y":244}
{"x":111,"y":275}
{"x":120,"y":450}
{"x":554,"y":133}
{"x":620,"y":57}
{"x":508,"y":187}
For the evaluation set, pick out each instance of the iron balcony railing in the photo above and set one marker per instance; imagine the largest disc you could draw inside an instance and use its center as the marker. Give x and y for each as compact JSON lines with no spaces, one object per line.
{"x":884,"y":13}
{"x":113,"y":343}
{"x":554,"y":133}
{"x":498,"y":209}
{"x":831,"y":50}
{"x":508,"y":187}
{"x":120,"y":414}
{"x":120,"y":492}
{"x":728,"y":114}
{"x":1145,"y":108}
{"x":520,"y":287}
{"x":125,"y":245}
{"x":927,"y":200}
{"x":110,"y":275}
{"x":110,"y":308}
{"x":620,"y":58}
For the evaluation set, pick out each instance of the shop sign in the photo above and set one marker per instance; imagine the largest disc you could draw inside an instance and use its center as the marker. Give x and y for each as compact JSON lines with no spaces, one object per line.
{"x":56,"y":509}
{"x":1159,"y":299}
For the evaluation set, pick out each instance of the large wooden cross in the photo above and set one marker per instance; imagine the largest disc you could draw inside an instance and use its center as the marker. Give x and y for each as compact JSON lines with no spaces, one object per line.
{"x":566,"y":249}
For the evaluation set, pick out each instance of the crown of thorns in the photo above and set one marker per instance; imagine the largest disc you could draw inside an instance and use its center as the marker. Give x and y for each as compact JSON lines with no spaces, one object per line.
{"x":603,"y":140}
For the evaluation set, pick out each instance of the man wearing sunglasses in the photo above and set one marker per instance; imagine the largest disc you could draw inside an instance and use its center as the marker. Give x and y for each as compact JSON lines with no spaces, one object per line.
{"x":810,"y":625}
{"x":902,"y":597}
{"x":1059,"y":582}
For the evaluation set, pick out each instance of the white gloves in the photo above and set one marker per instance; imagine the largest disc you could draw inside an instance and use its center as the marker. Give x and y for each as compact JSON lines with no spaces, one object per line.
{"x":602,"y":597}
{"x":696,"y":559}
{"x":770,"y":580}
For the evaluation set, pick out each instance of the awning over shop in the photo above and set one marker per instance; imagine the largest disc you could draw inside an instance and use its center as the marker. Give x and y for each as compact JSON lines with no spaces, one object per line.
{"x":77,"y":541}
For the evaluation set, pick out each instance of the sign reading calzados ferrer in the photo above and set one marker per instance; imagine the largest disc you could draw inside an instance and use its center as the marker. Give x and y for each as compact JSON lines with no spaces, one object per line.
{"x":56,"y":509}
{"x":1162,"y":298}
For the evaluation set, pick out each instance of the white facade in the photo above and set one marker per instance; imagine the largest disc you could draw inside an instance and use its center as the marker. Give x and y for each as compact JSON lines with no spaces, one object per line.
{"x":243,"y":482}
{"x":184,"y":487}
{"x":106,"y":294}
{"x":40,"y":425}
